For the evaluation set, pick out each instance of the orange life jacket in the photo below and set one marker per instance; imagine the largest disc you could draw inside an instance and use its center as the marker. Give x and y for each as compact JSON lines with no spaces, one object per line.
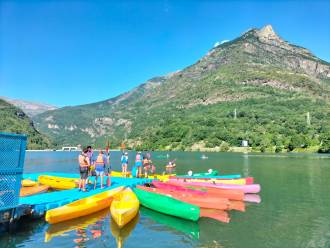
{"x":83,"y":161}
{"x":100,"y":160}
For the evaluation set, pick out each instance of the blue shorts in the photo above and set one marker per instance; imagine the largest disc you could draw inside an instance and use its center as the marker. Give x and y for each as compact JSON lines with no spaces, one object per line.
{"x":138,"y":164}
{"x":99,"y":173}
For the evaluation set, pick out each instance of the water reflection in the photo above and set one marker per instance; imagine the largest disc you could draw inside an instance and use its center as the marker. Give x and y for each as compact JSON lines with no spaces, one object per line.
{"x":185,"y":226}
{"x":121,"y":234}
{"x":80,"y":225}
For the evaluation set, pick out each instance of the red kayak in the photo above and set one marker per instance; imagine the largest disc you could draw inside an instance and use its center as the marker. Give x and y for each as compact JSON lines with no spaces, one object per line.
{"x":204,"y":201}
{"x":231,"y":194}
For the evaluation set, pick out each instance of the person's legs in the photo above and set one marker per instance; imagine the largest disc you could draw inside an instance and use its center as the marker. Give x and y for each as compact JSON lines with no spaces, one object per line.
{"x":102,"y":176}
{"x":96,"y":177}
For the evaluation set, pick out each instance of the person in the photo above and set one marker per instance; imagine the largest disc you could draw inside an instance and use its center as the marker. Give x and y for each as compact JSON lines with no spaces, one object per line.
{"x":91,"y":161}
{"x":138,"y":163}
{"x":124,"y":163}
{"x":170,"y":166}
{"x":146,"y":166}
{"x":100,"y":163}
{"x":84,"y":164}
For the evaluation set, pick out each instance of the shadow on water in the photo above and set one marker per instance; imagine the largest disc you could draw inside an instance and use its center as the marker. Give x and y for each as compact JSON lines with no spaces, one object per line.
{"x":121,"y":234}
{"x":185,"y":226}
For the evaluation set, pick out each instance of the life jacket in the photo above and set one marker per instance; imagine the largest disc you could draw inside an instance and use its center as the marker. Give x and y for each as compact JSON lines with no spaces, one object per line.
{"x":83,"y":161}
{"x":124,"y":159}
{"x":138,"y":158}
{"x":100,"y":160}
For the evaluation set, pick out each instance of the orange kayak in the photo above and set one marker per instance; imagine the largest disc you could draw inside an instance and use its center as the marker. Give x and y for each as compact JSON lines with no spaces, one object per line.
{"x":231,"y":194}
{"x":204,"y":201}
{"x":237,"y":205}
{"x":216,"y":214}
{"x":33,"y":190}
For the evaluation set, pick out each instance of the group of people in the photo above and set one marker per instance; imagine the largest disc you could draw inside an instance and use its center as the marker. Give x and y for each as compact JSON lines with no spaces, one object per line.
{"x":88,"y":166}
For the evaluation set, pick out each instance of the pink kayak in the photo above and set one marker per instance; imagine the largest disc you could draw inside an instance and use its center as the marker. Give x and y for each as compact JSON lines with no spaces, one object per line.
{"x":252,"y":198}
{"x":161,"y":185}
{"x":248,"y":188}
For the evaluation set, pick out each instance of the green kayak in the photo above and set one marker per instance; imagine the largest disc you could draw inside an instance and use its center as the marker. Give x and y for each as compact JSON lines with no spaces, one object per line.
{"x":167,"y":205}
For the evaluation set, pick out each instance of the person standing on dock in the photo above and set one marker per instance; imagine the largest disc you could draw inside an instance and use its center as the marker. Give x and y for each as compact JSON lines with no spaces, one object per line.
{"x":138,"y":163}
{"x":124,"y":163}
{"x":84,"y":164}
{"x":100,"y":164}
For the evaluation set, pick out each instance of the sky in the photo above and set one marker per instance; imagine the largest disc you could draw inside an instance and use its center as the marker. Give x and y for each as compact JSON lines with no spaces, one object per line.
{"x":77,"y":52}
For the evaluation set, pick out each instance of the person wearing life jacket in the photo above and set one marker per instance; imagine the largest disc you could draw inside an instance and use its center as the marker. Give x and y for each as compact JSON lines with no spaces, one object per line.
{"x":138,"y":162}
{"x":124,"y":163}
{"x":100,"y":163}
{"x":84,"y":164}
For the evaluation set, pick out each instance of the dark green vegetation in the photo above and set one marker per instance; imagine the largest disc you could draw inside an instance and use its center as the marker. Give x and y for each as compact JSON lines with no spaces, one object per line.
{"x":271,"y":84}
{"x":14,"y":120}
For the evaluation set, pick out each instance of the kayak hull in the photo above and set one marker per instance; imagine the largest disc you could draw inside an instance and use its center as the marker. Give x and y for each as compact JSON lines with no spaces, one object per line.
{"x":58,"y":183}
{"x":231,"y":194}
{"x":250,"y":188}
{"x":167,"y":205}
{"x":124,"y":207}
{"x":200,"y":201}
{"x":33,"y":190}
{"x":82,"y":207}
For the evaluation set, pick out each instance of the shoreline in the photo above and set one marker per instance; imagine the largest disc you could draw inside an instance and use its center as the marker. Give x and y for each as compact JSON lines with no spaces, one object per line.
{"x":233,"y":149}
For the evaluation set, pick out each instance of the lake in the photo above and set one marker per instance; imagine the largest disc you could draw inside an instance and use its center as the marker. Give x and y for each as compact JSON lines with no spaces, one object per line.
{"x":294,"y":211}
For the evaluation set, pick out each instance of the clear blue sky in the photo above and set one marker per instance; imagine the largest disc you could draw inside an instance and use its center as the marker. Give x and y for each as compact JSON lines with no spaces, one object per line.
{"x":70,"y":53}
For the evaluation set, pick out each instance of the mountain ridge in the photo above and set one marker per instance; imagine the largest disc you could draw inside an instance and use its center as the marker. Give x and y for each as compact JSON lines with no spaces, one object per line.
{"x":255,"y":67}
{"x":29,"y":107}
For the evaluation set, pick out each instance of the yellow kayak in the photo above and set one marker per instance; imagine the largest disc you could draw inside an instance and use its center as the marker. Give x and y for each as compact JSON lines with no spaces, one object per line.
{"x":120,"y":174}
{"x":154,"y":176}
{"x":124,"y":207}
{"x":80,"y":223}
{"x":121,"y":234}
{"x":58,"y":182}
{"x":28,"y":183}
{"x":82,"y":207}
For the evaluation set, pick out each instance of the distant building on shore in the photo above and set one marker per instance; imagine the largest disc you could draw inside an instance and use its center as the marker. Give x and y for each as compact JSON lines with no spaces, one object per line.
{"x":244,"y":143}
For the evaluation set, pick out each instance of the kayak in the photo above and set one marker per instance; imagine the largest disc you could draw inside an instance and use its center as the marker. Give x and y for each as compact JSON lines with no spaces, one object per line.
{"x":252,"y":198}
{"x":240,"y":181}
{"x":212,"y":173}
{"x":82,"y":207}
{"x":161,"y":177}
{"x":33,"y":190}
{"x":231,"y":194}
{"x":209,"y":177}
{"x":120,"y":174}
{"x":124,"y":207}
{"x":249,"y":188}
{"x":167,"y":205}
{"x":59,"y":183}
{"x":28,"y":183}
{"x":202,"y":202}
{"x":60,"y":229}
{"x":162,"y":185}
{"x":121,"y":234}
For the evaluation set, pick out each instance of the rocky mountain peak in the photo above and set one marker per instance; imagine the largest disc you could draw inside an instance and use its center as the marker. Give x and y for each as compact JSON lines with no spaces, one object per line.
{"x":267,"y":34}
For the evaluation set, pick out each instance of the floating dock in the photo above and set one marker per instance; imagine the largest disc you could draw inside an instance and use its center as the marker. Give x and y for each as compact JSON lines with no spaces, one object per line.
{"x":40,"y":203}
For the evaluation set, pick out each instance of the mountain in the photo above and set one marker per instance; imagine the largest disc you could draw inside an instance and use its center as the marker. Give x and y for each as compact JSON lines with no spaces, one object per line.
{"x":257,"y":87}
{"x":14,"y":120}
{"x":30,"y":108}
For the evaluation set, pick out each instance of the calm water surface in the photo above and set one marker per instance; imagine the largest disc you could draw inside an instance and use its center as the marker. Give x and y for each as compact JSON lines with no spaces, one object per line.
{"x":294,"y":212}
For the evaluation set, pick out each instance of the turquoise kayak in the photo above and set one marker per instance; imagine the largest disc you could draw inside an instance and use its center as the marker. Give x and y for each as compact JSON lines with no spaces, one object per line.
{"x":233,"y":176}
